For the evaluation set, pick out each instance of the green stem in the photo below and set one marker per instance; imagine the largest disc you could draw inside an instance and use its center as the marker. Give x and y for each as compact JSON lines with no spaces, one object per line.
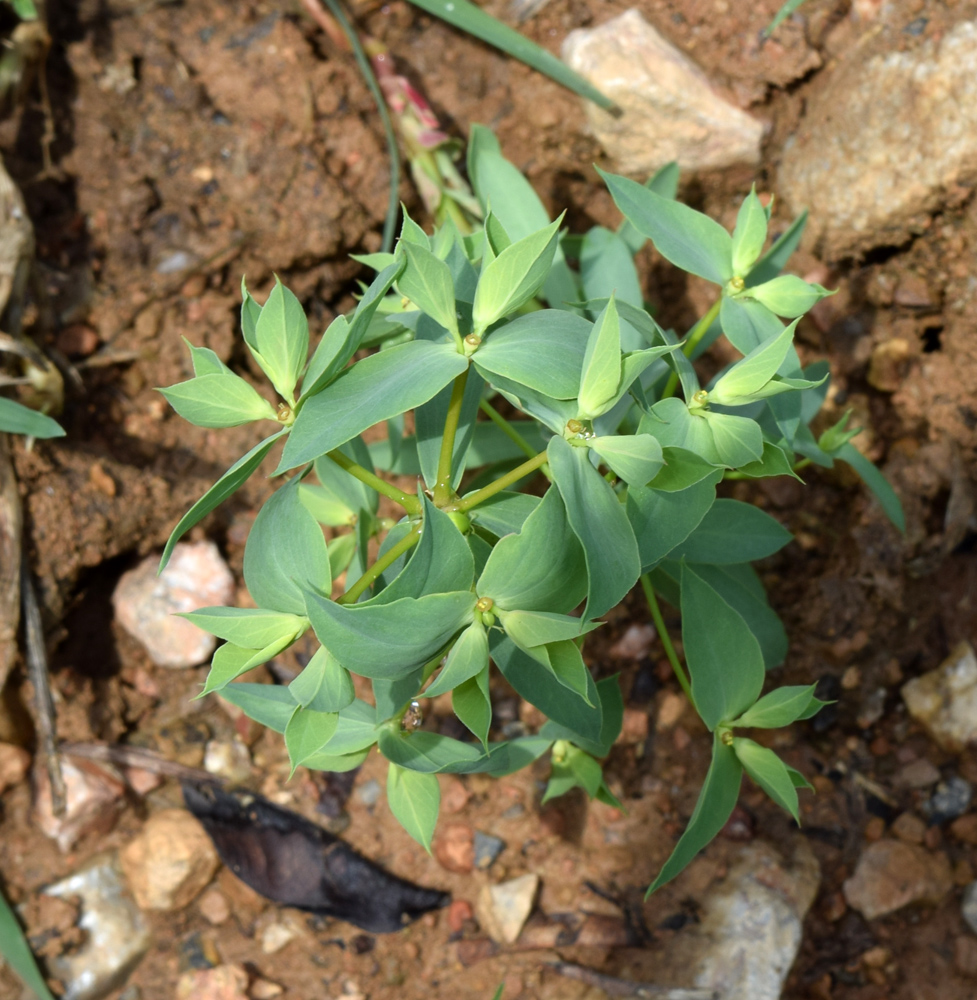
{"x":442,"y":488}
{"x":656,"y":614}
{"x":410,"y":503}
{"x":692,"y":342}
{"x":387,"y":559}
{"x":480,"y":496}
{"x":507,"y":429}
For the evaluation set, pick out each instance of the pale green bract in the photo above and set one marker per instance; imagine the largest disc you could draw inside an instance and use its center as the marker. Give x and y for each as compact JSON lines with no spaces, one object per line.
{"x":506,"y":536}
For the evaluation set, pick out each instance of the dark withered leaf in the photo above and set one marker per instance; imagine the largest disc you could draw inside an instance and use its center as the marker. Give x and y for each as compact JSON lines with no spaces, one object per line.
{"x":283,"y":856}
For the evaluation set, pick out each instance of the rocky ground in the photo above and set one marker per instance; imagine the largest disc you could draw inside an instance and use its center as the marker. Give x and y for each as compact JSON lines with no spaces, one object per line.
{"x":198,"y":142}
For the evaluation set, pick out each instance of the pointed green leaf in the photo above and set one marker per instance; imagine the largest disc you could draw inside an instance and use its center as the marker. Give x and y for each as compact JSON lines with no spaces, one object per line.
{"x":775,"y":462}
{"x":474,"y":21}
{"x":747,"y":324}
{"x":282,"y":339}
{"x":599,"y":521}
{"x":17,"y":419}
{"x":415,"y":799}
{"x":539,"y":686}
{"x":468,"y":657}
{"x":536,"y":628}
{"x":17,"y":953}
{"x":681,"y":469}
{"x":670,"y":421}
{"x":250,"y":313}
{"x":724,"y":658}
{"x":230,"y":482}
{"x":498,"y":239}
{"x":429,"y":424}
{"x":607,"y":268}
{"x":749,"y":235}
{"x":737,"y":440}
{"x":689,"y":239}
{"x":389,"y":640}
{"x":780,"y":707}
{"x":205,"y":361}
{"x":218,"y":400}
{"x":636,"y":458}
{"x":371,"y":391}
{"x":662,"y":520}
{"x":473,"y":706}
{"x":601,"y":373}
{"x":328,"y":350}
{"x":788,"y":295}
{"x":540,"y":569}
{"x":733,"y":532}
{"x":346,"y":341}
{"x":230,"y":661}
{"x":324,"y":685}
{"x":564,"y":659}
{"x":572,"y":768}
{"x":612,"y":715}
{"x":268,"y":704}
{"x":716,"y":802}
{"x":876,"y":482}
{"x":428,"y":753}
{"x":440,"y":562}
{"x":392,"y":695}
{"x":426,"y":281}
{"x":514,"y":277}
{"x":306,"y":732}
{"x":337,"y":763}
{"x":355,"y":731}
{"x":769,"y":772}
{"x":543,"y":350}
{"x":773,"y":261}
{"x":505,"y":513}
{"x":755,"y":370}
{"x":285,"y":553}
{"x":252,"y":628}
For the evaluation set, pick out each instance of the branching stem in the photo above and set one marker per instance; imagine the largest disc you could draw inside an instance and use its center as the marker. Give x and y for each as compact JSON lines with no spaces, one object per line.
{"x":692,"y":342}
{"x":480,"y":496}
{"x":506,"y":427}
{"x":410,"y":503}
{"x":666,"y":640}
{"x":387,"y":559}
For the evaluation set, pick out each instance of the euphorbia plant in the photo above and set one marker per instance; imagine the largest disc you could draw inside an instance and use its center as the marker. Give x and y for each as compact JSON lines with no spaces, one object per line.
{"x":519,"y":533}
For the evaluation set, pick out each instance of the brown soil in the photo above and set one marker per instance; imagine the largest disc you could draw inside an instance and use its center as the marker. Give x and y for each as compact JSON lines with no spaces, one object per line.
{"x":196,"y":142}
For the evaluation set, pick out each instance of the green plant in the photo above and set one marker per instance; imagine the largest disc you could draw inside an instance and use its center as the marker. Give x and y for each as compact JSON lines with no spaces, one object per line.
{"x":480,"y":567}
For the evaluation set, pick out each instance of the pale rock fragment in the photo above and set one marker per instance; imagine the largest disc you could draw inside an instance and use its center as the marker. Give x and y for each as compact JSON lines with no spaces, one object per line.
{"x":93,"y":798}
{"x":170,"y":862}
{"x":892,"y":874}
{"x":146,"y":604}
{"x":116,"y":933}
{"x":886,"y":140}
{"x":670,"y":109}
{"x":945,"y":700}
{"x":503,"y":909}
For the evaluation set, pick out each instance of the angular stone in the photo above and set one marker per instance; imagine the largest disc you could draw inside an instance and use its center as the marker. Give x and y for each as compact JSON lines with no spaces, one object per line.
{"x":170,"y":862}
{"x":116,"y":933}
{"x":891,"y":874}
{"x":945,"y":700}
{"x":146,"y":604}
{"x":751,"y":928}
{"x":671,"y":111}
{"x":504,"y":909}
{"x":951,"y":799}
{"x":93,"y":797}
{"x":891,"y":132}
{"x":487,"y":849}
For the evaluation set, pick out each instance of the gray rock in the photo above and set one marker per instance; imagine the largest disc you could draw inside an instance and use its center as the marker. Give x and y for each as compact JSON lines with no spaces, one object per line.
{"x":117,"y":935}
{"x":945,"y":700}
{"x":487,"y":849}
{"x":751,"y":928}
{"x":671,"y":111}
{"x":951,"y":799}
{"x":369,"y":793}
{"x":146,"y":604}
{"x":969,"y":906}
{"x":892,"y":132}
